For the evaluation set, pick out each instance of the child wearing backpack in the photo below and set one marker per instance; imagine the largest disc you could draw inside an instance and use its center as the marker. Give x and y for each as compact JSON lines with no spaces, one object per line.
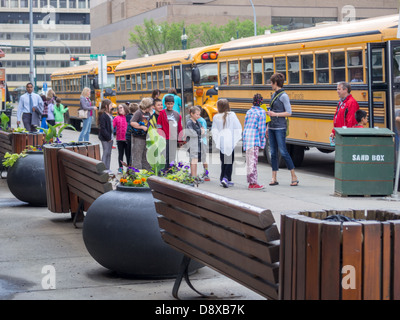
{"x":120,"y":124}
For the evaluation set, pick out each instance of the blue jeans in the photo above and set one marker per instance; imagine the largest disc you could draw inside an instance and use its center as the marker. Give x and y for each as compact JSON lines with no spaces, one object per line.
{"x":277,"y":141}
{"x":87,"y":125}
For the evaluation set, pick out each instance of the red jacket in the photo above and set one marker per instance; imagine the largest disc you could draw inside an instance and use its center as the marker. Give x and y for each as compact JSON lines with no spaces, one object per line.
{"x":345,"y":113}
{"x":164,"y":129}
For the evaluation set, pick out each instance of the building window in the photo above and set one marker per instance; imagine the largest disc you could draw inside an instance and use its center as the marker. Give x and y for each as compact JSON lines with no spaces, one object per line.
{"x":62,"y":3}
{"x":24,"y":3}
{"x":14,"y":3}
{"x":72,"y":3}
{"x":43,"y":3}
{"x":4,"y":3}
{"x":53,"y":3}
{"x":81,"y":4}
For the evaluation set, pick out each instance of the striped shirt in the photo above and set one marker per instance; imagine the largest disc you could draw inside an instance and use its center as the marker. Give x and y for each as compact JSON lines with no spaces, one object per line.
{"x":254,"y":128}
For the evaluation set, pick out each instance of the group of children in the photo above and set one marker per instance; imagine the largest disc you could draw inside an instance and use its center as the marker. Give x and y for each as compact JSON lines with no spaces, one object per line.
{"x":53,"y":110}
{"x":132,"y":123}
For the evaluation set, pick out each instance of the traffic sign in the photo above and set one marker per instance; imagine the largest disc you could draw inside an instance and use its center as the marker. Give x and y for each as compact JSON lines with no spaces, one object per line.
{"x":95,"y":56}
{"x":45,"y":86}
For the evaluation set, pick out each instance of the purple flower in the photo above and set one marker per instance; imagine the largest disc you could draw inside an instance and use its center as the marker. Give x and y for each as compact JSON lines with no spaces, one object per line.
{"x":186,"y":167}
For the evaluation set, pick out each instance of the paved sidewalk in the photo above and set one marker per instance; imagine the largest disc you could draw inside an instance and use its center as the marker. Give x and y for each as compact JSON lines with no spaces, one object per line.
{"x":33,"y":238}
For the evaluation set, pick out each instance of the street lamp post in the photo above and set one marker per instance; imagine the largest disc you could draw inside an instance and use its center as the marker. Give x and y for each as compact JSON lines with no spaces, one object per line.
{"x":123,"y":53}
{"x":184,"y":38}
{"x":255,"y":19}
{"x":31,"y":76}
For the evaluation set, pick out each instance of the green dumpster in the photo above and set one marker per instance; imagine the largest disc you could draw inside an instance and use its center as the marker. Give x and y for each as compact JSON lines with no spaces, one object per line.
{"x":364,"y":161}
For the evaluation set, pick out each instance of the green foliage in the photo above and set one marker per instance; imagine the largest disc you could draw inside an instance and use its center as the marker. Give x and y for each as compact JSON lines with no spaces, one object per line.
{"x":52,"y":132}
{"x":4,"y":121}
{"x":19,"y":130}
{"x":10,"y":158}
{"x":152,"y":38}
{"x":155,"y":144}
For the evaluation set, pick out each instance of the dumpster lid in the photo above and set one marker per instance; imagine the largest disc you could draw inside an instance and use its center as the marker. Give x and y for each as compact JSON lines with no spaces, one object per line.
{"x":364,"y":132}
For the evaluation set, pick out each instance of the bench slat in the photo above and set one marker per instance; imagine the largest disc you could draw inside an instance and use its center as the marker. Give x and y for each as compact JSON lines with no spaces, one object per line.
{"x":86,"y":178}
{"x":234,"y":258}
{"x":102,"y":178}
{"x":269,"y":234}
{"x":77,"y":192}
{"x":82,"y":188}
{"x":90,"y":164}
{"x":217,"y":232}
{"x":264,"y":288}
{"x":255,"y":216}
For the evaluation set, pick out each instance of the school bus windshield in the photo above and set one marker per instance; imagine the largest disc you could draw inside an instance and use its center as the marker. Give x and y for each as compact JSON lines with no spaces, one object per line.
{"x":208,"y":73}
{"x":110,"y":81}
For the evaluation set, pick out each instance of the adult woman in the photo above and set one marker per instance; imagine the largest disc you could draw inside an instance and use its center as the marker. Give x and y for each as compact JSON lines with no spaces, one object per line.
{"x":226,"y":132}
{"x":105,"y":124}
{"x":86,"y":104}
{"x":280,"y":109}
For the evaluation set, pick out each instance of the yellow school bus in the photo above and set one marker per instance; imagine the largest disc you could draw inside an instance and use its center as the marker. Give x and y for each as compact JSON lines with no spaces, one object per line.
{"x":364,"y":53}
{"x":193,"y":73}
{"x":68,"y":84}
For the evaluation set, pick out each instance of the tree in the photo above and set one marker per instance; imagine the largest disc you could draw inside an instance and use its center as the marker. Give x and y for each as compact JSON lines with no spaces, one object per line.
{"x":154,"y":39}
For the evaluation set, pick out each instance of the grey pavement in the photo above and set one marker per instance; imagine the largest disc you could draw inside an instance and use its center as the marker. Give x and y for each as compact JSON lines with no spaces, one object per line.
{"x":33,"y":238}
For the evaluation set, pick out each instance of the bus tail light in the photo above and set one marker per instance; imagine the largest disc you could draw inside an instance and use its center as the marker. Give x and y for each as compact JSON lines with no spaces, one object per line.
{"x":213,"y":55}
{"x":209,"y":56}
{"x":204,"y":56}
{"x":199,"y":92}
{"x":98,"y":94}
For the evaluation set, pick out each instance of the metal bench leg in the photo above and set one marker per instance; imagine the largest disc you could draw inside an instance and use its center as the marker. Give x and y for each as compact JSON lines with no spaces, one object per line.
{"x":79,"y":213}
{"x":184,"y":272}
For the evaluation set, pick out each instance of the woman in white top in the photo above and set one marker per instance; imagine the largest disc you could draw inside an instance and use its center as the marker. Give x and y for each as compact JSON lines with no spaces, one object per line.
{"x":226,"y":132}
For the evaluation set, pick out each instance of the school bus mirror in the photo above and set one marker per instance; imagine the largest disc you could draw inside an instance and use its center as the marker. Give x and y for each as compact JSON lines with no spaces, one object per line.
{"x":196,"y":75}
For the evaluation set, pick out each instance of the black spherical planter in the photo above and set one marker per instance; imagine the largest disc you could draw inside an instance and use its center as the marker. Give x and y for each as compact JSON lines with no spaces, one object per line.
{"x":26,"y":179}
{"x":121,"y":232}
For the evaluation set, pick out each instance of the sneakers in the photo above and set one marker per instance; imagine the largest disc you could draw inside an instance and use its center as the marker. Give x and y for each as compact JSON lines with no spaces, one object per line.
{"x":230,"y":184}
{"x":206,"y":177}
{"x":224,"y":183}
{"x":119,"y":170}
{"x":255,"y":187}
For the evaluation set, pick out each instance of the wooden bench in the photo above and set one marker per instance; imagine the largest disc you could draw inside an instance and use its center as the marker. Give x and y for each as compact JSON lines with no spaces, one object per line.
{"x":83,"y":177}
{"x":236,"y":239}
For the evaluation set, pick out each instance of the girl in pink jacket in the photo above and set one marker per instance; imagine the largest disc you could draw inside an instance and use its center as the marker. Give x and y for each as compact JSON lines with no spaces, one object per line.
{"x":121,"y":125}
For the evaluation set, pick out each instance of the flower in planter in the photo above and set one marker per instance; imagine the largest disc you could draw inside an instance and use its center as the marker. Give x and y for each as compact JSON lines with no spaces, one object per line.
{"x":133,"y":177}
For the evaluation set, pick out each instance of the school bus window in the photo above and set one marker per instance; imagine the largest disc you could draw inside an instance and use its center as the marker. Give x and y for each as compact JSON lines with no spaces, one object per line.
{"x":154,"y":76}
{"x":245,"y":72}
{"x":322,"y":67}
{"x":233,"y":72}
{"x":160,"y":80}
{"x":223,"y":74}
{"x":149,"y":83}
{"x":128,"y":82}
{"x":377,"y":67}
{"x":307,"y":68}
{"x":257,"y":71}
{"x":355,"y":66}
{"x":143,"y":81}
{"x":268,"y":70}
{"x":133,"y":77}
{"x":117,"y":86}
{"x":280,"y":65}
{"x":338,"y":66}
{"x":138,"y":82}
{"x":294,"y":72}
{"x":167,"y":79}
{"x":122,"y":83}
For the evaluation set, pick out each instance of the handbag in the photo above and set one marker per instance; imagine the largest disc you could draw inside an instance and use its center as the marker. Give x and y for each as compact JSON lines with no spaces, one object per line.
{"x":82,"y":114}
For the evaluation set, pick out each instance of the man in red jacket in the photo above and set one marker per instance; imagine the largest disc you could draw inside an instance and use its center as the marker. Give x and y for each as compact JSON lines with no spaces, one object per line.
{"x":346,"y":109}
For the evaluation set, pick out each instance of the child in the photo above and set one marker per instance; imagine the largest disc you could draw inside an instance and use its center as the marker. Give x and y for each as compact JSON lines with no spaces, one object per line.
{"x":104,"y":122}
{"x":121,"y":126}
{"x":254,"y":139}
{"x":194,"y":134}
{"x":50,"y":113}
{"x":361,"y":118}
{"x":170,"y":127}
{"x":203,"y":123}
{"x":139,"y":123}
{"x":158,"y":106}
{"x":59,"y":111}
{"x":133,"y":107}
{"x":226,"y":132}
